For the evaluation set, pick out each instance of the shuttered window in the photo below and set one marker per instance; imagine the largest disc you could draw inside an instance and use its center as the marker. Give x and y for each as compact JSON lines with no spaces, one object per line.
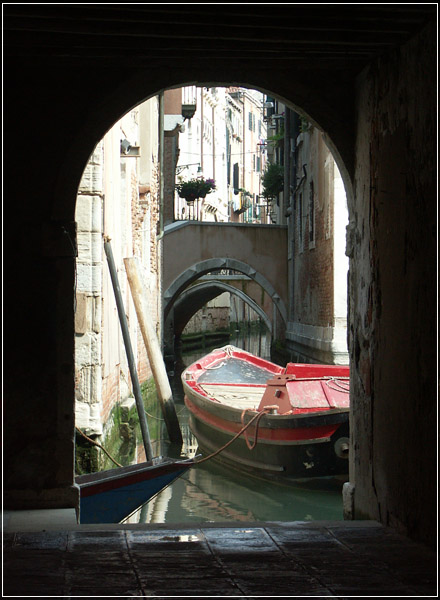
{"x":235,"y":182}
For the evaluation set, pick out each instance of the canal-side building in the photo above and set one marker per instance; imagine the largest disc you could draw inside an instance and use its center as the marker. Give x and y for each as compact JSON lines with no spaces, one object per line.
{"x":247,"y":157}
{"x":220,"y":141}
{"x":318,"y":218}
{"x":118,"y":201}
{"x":313,"y":205}
{"x":273,"y":146}
{"x":201,"y":152}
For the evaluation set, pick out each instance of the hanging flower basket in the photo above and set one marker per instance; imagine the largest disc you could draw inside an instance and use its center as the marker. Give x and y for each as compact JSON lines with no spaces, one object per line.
{"x":273,"y":181}
{"x":195,"y":188}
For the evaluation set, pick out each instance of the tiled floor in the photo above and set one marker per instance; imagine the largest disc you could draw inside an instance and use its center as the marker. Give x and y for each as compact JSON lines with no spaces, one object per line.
{"x":339,"y":559}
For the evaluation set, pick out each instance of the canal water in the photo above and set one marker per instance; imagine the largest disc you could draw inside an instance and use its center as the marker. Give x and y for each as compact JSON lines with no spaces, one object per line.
{"x":212,"y":492}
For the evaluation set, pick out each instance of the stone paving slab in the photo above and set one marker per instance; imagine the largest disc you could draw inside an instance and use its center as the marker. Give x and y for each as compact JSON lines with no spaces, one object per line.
{"x":341,"y":559}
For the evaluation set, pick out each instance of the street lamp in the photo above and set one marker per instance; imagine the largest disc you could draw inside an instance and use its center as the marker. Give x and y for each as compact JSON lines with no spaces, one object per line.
{"x":180,"y":168}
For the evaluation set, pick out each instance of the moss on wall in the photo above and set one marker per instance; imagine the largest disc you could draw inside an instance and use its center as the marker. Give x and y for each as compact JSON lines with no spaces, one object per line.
{"x":121,"y":435}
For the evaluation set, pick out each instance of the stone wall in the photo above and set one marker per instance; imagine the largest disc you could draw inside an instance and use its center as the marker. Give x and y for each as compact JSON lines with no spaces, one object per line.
{"x":88,"y":317}
{"x":117,"y":200}
{"x":212,"y":317}
{"x":75,"y":98}
{"x":392,"y":292}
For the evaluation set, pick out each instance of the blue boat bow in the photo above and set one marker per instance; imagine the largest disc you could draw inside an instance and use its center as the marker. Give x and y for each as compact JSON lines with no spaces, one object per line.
{"x":111,"y":496}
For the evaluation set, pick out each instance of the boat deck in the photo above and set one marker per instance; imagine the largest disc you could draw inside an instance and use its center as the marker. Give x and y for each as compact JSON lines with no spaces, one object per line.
{"x":237,"y":396}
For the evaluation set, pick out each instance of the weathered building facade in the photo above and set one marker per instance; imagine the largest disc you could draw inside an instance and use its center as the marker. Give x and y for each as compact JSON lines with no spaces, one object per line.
{"x":247,"y":157}
{"x":221,"y":141}
{"x":118,"y":201}
{"x":313,"y":204}
{"x":202,"y":153}
{"x":318,"y":218}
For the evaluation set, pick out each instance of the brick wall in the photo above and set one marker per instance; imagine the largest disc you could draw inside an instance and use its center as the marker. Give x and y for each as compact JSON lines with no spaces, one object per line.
{"x":316,"y":331}
{"x":314,"y":279}
{"x":110,"y":392}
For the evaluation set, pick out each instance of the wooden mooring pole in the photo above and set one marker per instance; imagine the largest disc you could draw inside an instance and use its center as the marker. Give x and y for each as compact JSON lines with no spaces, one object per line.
{"x":129,"y":351}
{"x":155,"y":357}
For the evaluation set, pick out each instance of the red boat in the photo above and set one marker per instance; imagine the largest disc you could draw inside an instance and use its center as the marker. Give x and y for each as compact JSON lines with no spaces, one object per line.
{"x":300,"y":414}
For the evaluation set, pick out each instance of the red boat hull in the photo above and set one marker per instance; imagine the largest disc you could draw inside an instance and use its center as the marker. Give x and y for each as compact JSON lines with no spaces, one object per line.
{"x":305,"y":442}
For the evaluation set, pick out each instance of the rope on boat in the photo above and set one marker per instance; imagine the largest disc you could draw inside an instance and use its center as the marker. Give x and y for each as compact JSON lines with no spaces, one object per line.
{"x":256,"y":417}
{"x":99,"y":446}
{"x":339,"y":382}
{"x":228,"y":350}
{"x":257,"y":424}
{"x":339,"y":385}
{"x":222,"y":364}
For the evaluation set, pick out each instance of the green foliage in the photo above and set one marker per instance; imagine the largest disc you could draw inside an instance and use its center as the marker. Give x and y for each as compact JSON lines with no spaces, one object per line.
{"x":273,"y":181}
{"x":277,"y":140}
{"x":305,"y":125}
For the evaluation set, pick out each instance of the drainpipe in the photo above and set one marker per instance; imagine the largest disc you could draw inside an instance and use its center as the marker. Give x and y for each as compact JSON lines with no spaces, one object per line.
{"x":161,"y":161}
{"x":213,"y":143}
{"x":292,"y":131}
{"x":201,"y":129}
{"x":286,"y":191}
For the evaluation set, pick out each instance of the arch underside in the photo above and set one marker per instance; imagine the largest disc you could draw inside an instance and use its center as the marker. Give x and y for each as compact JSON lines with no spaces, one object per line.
{"x":182,"y":282}
{"x":194,"y":298}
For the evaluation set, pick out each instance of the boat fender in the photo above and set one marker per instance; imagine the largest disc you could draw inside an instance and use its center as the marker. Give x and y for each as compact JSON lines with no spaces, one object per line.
{"x":342,"y":446}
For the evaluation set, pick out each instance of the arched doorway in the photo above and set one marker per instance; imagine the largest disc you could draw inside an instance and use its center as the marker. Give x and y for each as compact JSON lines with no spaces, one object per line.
{"x":261,"y":257}
{"x":368,"y":120}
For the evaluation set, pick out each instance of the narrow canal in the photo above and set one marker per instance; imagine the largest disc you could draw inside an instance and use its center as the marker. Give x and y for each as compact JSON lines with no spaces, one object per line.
{"x":213,"y":493}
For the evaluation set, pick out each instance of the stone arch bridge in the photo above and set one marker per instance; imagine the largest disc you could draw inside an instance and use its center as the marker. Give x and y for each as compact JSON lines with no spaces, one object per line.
{"x":192,"y":249}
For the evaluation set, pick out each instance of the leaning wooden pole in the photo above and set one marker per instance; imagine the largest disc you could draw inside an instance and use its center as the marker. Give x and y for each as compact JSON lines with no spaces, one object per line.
{"x":153,"y":350}
{"x":129,"y":351}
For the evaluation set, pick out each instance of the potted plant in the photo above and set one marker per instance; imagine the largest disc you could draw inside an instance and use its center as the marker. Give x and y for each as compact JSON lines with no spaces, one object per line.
{"x":195,"y":188}
{"x":273,"y":181}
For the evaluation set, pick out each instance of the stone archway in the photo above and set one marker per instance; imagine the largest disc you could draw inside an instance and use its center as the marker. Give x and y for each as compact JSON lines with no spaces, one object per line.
{"x":214,"y":264}
{"x":188,"y":301}
{"x":377,"y":105}
{"x":181,"y":283}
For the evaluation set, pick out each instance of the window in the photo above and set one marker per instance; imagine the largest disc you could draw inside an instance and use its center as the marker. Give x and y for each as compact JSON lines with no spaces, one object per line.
{"x":235,"y":182}
{"x":251,"y":122}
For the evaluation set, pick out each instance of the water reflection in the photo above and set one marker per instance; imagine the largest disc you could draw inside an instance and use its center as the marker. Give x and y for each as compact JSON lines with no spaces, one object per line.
{"x":212,"y":492}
